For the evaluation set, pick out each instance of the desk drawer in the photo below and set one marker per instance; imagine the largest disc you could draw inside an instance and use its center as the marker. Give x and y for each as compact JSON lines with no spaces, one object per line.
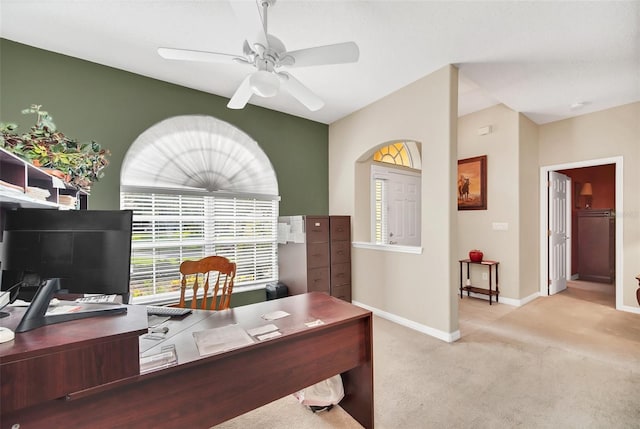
{"x":318,"y":280}
{"x":340,"y":228}
{"x":342,"y":292}
{"x":317,"y":255}
{"x":317,"y":229}
{"x":340,"y":252}
{"x":340,"y":274}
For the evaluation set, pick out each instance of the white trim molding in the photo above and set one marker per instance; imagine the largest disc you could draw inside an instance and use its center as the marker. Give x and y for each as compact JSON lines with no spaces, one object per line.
{"x":416,"y":250}
{"x":507,"y":301}
{"x":449,"y":337}
{"x":619,"y":207}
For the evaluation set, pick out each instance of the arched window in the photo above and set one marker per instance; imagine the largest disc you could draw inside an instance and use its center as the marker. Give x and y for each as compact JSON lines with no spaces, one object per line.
{"x":398,"y":153}
{"x":198,"y":186}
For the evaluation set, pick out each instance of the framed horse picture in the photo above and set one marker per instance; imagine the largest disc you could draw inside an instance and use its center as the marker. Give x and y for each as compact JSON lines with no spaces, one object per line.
{"x":472,"y":183}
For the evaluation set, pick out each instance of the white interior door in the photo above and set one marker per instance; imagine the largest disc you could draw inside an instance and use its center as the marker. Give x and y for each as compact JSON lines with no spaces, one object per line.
{"x":404,"y":209}
{"x":558,"y":213}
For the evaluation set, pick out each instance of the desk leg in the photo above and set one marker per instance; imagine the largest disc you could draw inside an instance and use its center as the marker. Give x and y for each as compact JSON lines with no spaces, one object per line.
{"x":358,"y":386}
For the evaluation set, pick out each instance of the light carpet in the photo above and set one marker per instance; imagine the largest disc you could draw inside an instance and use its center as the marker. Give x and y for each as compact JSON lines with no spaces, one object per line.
{"x":566,"y":361}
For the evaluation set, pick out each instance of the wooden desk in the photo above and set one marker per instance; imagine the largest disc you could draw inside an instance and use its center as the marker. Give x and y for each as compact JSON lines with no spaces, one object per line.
{"x":203,"y":391}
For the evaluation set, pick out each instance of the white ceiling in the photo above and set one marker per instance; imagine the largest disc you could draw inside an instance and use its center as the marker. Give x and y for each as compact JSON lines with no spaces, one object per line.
{"x":536,"y":57}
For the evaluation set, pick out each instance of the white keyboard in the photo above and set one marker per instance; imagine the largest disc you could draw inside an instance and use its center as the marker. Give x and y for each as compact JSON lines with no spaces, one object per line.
{"x":158,"y":310}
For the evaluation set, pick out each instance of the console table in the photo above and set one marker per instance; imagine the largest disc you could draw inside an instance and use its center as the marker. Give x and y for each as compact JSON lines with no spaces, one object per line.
{"x":484,"y":291}
{"x":198,"y":392}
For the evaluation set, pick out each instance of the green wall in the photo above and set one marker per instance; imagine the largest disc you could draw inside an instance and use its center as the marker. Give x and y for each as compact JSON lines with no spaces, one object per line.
{"x":113,"y":107}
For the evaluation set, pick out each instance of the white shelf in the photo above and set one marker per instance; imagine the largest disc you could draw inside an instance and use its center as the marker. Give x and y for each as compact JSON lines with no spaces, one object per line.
{"x":17,"y":175}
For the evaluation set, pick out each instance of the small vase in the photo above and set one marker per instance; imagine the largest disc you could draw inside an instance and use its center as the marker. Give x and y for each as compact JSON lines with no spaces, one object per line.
{"x":475,"y":255}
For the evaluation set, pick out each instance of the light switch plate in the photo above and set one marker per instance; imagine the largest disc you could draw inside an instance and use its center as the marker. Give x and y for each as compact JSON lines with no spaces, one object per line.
{"x":500,"y":226}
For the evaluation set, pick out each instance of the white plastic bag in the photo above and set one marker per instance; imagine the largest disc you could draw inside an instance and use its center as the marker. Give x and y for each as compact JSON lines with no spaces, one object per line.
{"x":326,"y":393}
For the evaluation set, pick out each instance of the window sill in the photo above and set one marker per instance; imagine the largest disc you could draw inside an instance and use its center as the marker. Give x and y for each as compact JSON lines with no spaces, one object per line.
{"x":416,"y":250}
{"x":173,"y":298}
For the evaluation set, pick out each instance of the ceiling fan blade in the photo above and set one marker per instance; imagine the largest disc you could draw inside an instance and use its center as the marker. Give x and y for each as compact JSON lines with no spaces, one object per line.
{"x":242,"y":95}
{"x":189,"y":55}
{"x":250,"y":19}
{"x":303,"y":94}
{"x":339,"y":53}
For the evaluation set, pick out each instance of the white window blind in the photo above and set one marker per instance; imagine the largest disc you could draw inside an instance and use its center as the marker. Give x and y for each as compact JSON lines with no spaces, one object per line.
{"x":170,"y":228}
{"x":380,"y":211}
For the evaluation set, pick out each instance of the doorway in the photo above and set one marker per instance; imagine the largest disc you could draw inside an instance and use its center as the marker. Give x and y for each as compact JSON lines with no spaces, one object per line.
{"x":544,"y":222}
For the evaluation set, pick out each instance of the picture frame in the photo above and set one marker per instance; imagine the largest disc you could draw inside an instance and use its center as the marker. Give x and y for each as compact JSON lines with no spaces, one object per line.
{"x":472,"y":183}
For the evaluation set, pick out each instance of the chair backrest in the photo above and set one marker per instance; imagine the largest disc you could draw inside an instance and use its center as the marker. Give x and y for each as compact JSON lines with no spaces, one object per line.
{"x":199,"y":272}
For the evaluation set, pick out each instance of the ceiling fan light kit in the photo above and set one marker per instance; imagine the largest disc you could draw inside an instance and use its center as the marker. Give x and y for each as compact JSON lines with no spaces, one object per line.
{"x":263,"y":83}
{"x":267,"y":54}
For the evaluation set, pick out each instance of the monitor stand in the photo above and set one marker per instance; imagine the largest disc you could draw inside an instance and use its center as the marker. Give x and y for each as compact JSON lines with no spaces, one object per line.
{"x":35,"y":316}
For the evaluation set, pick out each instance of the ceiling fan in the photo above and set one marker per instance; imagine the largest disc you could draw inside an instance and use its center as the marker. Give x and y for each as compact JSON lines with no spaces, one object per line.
{"x":267,"y":54}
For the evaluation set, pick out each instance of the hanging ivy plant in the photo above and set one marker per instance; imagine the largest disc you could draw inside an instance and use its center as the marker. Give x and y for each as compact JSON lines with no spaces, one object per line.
{"x":79,"y":164}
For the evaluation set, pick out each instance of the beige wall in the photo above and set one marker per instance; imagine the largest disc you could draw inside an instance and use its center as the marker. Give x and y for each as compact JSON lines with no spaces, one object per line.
{"x":529,"y":202}
{"x":475,"y":227}
{"x":609,"y":133}
{"x":420,"y":288}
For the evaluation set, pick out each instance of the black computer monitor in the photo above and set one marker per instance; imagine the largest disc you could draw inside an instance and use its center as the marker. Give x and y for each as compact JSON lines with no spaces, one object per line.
{"x":75,"y":251}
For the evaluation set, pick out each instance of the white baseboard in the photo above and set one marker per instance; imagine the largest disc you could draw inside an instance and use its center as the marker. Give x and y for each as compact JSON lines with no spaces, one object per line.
{"x":629,"y":309}
{"x":504,"y":300}
{"x":441,"y":335}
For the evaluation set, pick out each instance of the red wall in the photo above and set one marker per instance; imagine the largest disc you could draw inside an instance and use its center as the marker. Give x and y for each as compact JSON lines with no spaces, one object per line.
{"x":603,"y":182}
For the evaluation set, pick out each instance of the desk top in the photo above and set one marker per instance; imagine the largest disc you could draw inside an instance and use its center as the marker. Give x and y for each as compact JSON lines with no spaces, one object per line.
{"x":301,"y":308}
{"x":78,"y":333}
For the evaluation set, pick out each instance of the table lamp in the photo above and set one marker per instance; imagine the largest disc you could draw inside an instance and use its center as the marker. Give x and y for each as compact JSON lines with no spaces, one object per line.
{"x":587,"y":192}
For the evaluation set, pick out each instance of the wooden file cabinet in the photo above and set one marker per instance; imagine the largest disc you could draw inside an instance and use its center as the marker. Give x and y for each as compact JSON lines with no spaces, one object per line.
{"x":340,"y":248}
{"x":323,"y":262}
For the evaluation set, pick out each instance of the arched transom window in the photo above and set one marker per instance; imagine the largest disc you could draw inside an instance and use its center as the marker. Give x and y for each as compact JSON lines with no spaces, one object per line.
{"x":198,"y":186}
{"x":395,"y":153}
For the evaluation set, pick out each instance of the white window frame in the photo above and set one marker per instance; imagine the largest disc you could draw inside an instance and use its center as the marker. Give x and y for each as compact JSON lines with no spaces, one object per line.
{"x":223,"y":238}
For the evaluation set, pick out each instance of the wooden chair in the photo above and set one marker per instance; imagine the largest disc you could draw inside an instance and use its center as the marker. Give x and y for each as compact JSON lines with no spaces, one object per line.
{"x":199,"y":272}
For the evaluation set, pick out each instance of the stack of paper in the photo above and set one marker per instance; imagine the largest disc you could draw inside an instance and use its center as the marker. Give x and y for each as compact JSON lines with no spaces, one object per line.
{"x":218,"y":340}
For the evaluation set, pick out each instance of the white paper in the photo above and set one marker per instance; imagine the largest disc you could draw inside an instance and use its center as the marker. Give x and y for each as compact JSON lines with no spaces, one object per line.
{"x":275,"y":315}
{"x":165,"y":358}
{"x":63,"y":309}
{"x":269,"y":335}
{"x":218,"y":340}
{"x":283,"y":233}
{"x":262,"y":329}
{"x":316,"y":322}
{"x":297,"y":229}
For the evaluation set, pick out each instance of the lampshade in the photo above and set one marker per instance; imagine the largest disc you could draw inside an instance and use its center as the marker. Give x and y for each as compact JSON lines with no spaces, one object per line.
{"x":586,"y":190}
{"x":264,"y":83}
